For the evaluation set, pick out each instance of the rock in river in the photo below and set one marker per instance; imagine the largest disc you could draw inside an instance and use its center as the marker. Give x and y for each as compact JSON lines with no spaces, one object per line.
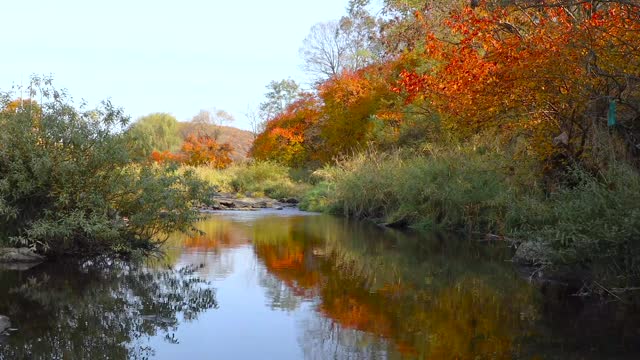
{"x":19,"y":255}
{"x":4,"y":323}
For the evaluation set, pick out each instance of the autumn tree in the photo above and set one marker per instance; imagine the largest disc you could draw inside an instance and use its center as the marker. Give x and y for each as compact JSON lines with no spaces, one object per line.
{"x":352,"y":103}
{"x":290,"y":137}
{"x":549,"y":72}
{"x":202,"y":149}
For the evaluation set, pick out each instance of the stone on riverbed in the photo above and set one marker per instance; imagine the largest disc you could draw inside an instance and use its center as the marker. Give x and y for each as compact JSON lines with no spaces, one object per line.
{"x":225,"y":201}
{"x":532,"y":253}
{"x":5,"y":324}
{"x":19,"y":255}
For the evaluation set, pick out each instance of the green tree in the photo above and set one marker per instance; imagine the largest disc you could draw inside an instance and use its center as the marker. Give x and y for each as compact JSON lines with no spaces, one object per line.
{"x":157,"y":131}
{"x":68,"y":182}
{"x":280,"y":95}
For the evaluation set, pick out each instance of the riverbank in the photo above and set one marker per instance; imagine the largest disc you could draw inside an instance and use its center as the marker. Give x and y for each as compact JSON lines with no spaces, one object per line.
{"x":578,"y":225}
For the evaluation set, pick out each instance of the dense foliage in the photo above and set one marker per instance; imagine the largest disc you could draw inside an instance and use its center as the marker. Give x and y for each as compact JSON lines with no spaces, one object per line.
{"x":159,"y":137}
{"x":68,"y":182}
{"x":554,"y":74}
{"x":511,"y":117}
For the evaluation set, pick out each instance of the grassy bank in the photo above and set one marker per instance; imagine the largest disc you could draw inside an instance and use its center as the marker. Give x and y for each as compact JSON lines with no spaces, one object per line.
{"x":587,"y":222}
{"x":582,"y":221}
{"x":255,"y":179}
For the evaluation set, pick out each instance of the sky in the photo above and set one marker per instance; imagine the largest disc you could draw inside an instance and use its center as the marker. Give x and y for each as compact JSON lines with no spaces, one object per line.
{"x":160,"y":56}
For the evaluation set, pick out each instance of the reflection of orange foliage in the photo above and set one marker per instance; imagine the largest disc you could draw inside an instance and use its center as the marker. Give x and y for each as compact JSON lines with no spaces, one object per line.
{"x":288,"y":264}
{"x":354,"y":313}
{"x":448,"y":318}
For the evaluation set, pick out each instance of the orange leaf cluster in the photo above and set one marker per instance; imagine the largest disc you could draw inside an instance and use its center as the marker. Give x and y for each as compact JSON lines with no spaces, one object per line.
{"x":535,"y":72}
{"x":198,"y":150}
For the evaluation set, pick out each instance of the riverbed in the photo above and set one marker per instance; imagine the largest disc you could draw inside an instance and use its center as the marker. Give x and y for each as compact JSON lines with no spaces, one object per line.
{"x":292,"y":285}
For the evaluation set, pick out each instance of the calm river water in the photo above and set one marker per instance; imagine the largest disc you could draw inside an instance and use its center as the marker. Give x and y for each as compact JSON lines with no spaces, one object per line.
{"x":292,"y":285}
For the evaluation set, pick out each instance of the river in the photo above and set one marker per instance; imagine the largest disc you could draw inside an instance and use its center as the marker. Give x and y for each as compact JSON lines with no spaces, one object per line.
{"x":294,"y":285}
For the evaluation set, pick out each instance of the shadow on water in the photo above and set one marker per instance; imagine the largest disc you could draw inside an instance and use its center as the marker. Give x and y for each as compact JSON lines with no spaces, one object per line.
{"x":349,"y":290}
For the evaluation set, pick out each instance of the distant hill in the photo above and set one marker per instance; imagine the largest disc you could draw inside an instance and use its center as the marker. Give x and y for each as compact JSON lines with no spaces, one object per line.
{"x":240,"y":140}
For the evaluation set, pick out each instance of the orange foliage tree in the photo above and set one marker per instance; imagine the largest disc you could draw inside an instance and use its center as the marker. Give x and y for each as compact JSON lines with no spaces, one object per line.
{"x":166,"y":157}
{"x":351,"y":101}
{"x":204,"y":150}
{"x":197,"y":150}
{"x":541,"y":70}
{"x":549,"y":72}
{"x":288,"y":137}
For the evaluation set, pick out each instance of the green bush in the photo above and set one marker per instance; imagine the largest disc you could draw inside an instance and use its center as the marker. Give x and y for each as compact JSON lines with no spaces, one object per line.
{"x":595,"y":225}
{"x":68,"y":184}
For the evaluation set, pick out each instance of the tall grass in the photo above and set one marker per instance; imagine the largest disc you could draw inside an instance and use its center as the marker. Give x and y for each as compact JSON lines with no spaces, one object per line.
{"x":465,"y":187}
{"x":254,"y":179}
{"x":589,"y":221}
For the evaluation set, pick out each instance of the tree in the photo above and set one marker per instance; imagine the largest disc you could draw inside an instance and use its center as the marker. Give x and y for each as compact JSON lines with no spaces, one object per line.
{"x":540,"y":71}
{"x":157,"y":131}
{"x":350,"y":43}
{"x":256,"y":122}
{"x":325,"y":50}
{"x":202,"y":149}
{"x":288,"y":137}
{"x":68,"y":182}
{"x":280,"y":95}
{"x":208,"y":122}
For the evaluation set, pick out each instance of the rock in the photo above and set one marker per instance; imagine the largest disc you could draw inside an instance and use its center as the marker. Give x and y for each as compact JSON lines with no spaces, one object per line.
{"x":223,"y":201}
{"x":562,"y":139}
{"x":292,"y":201}
{"x":5,"y":324}
{"x":18,"y":266}
{"x":532,"y":253}
{"x":19,"y":255}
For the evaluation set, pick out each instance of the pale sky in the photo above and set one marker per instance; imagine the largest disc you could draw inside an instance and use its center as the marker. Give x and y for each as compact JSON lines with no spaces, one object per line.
{"x":148,"y":56}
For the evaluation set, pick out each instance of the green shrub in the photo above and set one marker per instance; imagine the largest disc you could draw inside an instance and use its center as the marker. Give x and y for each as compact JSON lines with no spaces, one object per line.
{"x":595,"y":225}
{"x":68,"y":184}
{"x":317,"y":198}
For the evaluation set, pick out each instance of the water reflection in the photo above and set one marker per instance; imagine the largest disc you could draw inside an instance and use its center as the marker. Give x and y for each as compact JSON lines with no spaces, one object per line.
{"x":431,"y":297}
{"x":388,"y":294}
{"x":290,"y":286}
{"x":98,"y":309}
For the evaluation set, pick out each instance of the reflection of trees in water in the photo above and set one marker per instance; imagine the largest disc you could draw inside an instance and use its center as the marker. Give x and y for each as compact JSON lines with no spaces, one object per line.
{"x":101,"y":309}
{"x":279,"y":295}
{"x":426,"y":295}
{"x":323,"y":338}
